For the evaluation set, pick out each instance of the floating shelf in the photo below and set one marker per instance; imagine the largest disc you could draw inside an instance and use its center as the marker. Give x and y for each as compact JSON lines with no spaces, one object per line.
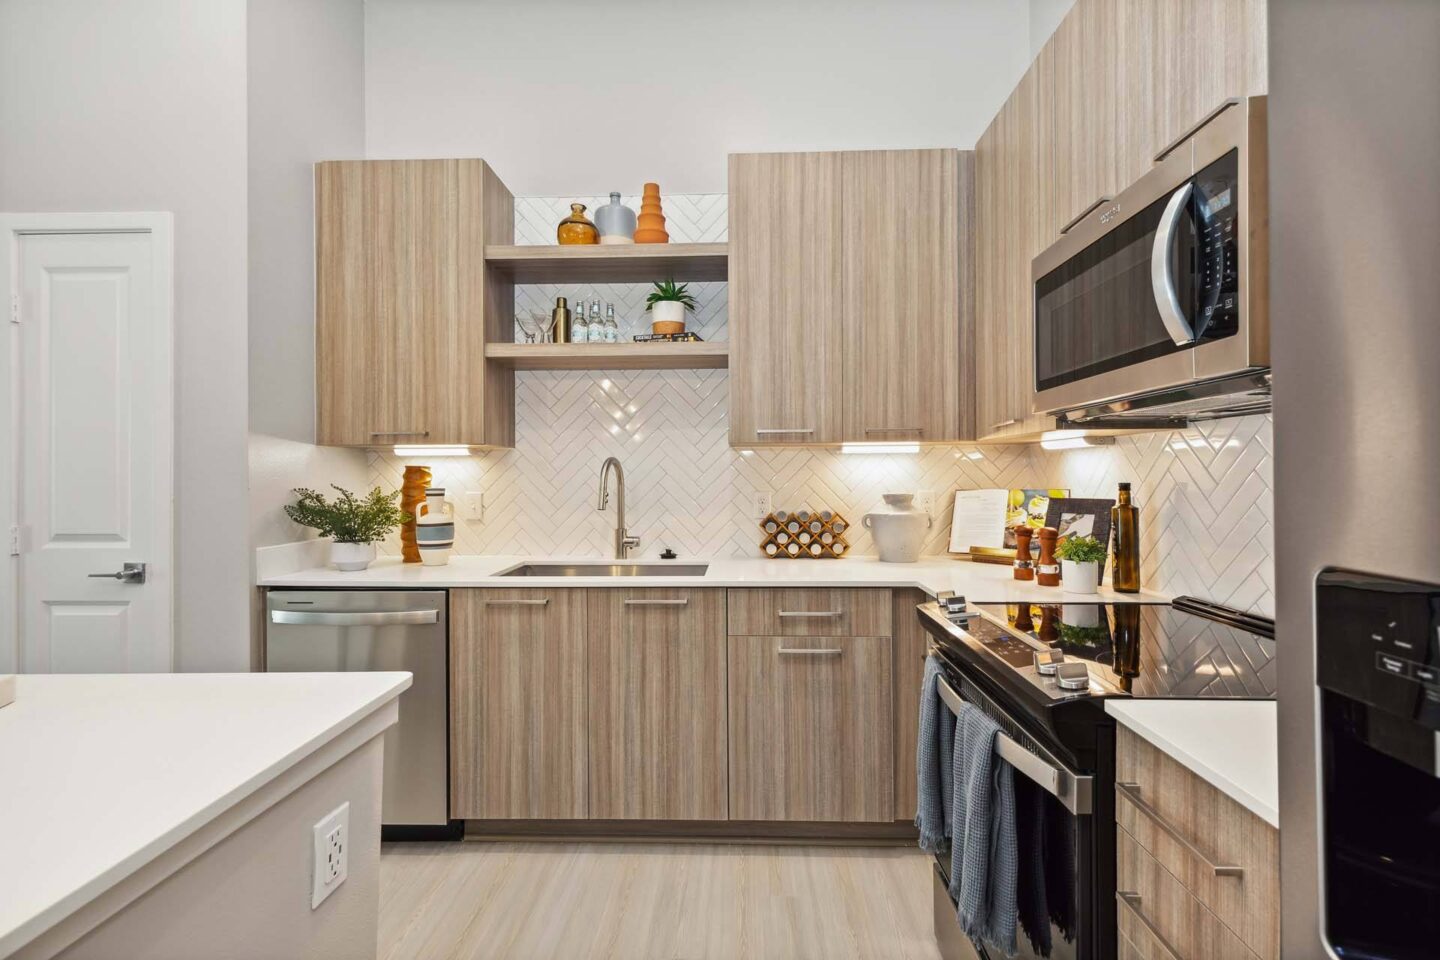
{"x":610,"y":356}
{"x":620,"y":263}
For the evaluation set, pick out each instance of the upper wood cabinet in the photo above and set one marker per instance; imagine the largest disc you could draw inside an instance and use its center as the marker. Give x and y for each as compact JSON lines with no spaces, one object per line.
{"x":403,"y":303}
{"x":906,"y":338}
{"x":1205,"y":51}
{"x":518,"y":724}
{"x":657,"y":725}
{"x":850,"y":297}
{"x":786,"y":282}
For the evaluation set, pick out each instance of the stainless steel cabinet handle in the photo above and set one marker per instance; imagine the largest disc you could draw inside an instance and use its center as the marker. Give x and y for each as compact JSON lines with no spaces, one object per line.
{"x":1162,"y":281}
{"x":1131,"y":792}
{"x":128,"y":573}
{"x":811,"y":614}
{"x":1086,"y":212}
{"x":894,"y":429}
{"x":517,"y":603}
{"x":760,"y":430}
{"x":1005,"y":423}
{"x":809,"y":651}
{"x":678,"y":602}
{"x":1215,"y":111}
{"x":373,"y":618}
{"x":400,"y":433}
{"x":1132,"y":903}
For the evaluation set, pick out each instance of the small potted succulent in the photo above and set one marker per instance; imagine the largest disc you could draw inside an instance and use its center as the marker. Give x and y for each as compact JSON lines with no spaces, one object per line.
{"x":1080,"y":559}
{"x":353,"y":525}
{"x":667,"y":304}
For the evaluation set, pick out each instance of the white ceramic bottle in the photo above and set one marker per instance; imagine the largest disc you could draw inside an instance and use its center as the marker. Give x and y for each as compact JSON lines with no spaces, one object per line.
{"x":898,"y":528}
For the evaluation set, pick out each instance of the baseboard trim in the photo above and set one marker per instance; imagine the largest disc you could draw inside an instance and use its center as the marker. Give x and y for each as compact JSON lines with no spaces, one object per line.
{"x":899,"y":833}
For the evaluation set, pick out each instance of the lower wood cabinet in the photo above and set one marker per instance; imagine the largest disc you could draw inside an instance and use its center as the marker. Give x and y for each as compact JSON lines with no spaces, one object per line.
{"x":910,"y":642}
{"x":657,"y":712}
{"x":811,"y":729}
{"x":518,"y":725}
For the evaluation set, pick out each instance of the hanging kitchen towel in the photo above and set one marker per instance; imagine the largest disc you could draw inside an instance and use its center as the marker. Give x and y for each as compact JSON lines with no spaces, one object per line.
{"x":983,"y":858}
{"x":1030,"y":883}
{"x":934,"y":755}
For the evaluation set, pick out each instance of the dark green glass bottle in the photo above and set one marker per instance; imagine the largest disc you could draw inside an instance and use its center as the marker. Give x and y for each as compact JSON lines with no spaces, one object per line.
{"x":1125,"y":539}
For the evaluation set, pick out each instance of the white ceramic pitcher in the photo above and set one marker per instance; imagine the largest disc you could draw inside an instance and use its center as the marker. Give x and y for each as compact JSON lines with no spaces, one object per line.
{"x":899,"y":528}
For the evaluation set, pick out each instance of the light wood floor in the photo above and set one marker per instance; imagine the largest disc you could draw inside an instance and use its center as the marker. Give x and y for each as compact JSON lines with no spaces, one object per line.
{"x":663,"y":901}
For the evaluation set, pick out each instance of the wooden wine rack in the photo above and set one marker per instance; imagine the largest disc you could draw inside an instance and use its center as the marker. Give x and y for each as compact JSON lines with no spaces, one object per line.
{"x":804,"y":530}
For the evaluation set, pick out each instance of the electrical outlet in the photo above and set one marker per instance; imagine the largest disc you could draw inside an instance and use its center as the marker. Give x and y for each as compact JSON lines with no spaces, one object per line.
{"x":760,"y":506}
{"x":331,"y":854}
{"x":925,"y":500}
{"x":474,"y":505}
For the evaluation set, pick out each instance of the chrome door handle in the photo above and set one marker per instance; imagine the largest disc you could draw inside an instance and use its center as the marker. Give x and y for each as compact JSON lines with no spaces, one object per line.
{"x":894,"y":429}
{"x":128,"y":573}
{"x":1106,"y":198}
{"x":354,"y":618}
{"x":811,"y":614}
{"x":517,"y":603}
{"x":809,"y":651}
{"x":1162,"y":281}
{"x":1132,"y":903}
{"x":399,"y":433}
{"x":679,"y":602}
{"x":1005,"y":423}
{"x":1131,"y":792}
{"x":766,"y":430}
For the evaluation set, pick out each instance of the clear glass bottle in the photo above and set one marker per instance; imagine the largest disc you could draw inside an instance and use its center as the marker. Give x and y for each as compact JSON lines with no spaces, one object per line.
{"x":579,"y":329}
{"x":596,"y":323}
{"x":612,"y":329}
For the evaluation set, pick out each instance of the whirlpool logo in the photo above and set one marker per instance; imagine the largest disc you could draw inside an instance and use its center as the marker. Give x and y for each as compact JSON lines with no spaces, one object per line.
{"x":1107,"y":215}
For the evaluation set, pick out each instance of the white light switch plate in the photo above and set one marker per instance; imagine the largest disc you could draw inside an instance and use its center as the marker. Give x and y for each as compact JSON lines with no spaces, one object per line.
{"x":925,"y":500}
{"x":331,"y":854}
{"x":474,"y":505}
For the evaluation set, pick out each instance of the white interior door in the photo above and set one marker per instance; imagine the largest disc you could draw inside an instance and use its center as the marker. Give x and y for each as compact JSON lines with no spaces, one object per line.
{"x":91,"y":462}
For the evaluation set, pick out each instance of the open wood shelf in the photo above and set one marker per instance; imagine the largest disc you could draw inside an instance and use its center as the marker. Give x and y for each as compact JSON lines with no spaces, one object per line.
{"x":610,"y":356}
{"x":620,"y":263}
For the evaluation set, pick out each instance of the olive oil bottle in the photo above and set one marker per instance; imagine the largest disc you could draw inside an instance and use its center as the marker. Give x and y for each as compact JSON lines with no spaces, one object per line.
{"x":1125,"y":536}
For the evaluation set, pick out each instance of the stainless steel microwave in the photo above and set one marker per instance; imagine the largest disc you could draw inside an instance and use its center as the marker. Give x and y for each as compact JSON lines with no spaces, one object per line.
{"x":1153,"y":306}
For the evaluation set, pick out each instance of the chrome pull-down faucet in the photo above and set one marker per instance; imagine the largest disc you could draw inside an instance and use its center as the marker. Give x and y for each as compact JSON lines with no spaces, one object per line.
{"x":624,"y":543}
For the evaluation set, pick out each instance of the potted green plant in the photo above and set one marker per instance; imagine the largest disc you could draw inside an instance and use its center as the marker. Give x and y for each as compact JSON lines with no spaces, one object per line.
{"x":353,"y":525}
{"x":667,"y":304}
{"x":1080,"y":559}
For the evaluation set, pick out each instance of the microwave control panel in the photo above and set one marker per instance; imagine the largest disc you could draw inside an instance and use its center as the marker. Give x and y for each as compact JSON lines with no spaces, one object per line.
{"x":1378,"y":642}
{"x":1217,"y":224}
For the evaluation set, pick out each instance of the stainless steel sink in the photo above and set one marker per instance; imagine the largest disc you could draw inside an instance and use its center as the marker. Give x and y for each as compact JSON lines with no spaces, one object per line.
{"x":606,"y":570}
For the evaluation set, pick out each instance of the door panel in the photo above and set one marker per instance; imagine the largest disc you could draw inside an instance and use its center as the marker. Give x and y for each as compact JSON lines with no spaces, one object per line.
{"x":93,"y":395}
{"x":785,"y":284}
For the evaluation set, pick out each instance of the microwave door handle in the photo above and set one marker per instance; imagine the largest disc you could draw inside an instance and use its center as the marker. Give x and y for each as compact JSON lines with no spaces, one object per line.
{"x":1162,"y":281}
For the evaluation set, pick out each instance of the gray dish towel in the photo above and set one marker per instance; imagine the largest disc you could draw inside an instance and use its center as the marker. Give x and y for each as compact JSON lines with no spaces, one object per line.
{"x":984,"y":863}
{"x":934,"y":755}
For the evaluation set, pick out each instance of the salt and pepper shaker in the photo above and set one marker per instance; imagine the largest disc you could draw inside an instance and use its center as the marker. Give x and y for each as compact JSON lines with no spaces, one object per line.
{"x":1024,"y":567}
{"x":1047,"y":573}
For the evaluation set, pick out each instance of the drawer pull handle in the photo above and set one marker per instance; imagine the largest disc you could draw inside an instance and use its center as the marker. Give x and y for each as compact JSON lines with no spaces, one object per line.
{"x":1132,"y":903}
{"x":894,"y":429}
{"x":377,"y":434}
{"x":809,"y":651}
{"x":679,"y":602}
{"x":766,"y":431}
{"x":1005,"y":423}
{"x":812,"y":614}
{"x":517,"y":603}
{"x":1131,"y":792}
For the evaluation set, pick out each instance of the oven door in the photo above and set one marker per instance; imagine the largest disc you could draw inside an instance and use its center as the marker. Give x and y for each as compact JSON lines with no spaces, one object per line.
{"x":1055,"y":839}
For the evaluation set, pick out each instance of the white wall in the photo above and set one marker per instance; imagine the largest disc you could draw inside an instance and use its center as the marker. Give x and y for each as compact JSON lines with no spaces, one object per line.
{"x":141,"y":106}
{"x":574,"y":97}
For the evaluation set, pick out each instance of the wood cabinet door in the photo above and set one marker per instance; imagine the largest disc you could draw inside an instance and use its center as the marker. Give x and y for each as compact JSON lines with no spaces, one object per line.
{"x":992,"y":366}
{"x":1085,"y":108}
{"x":517,"y":704}
{"x":402,"y":303}
{"x":1205,"y":51}
{"x":657,"y":710}
{"x":811,"y":727}
{"x":902,"y":326}
{"x":785,"y":287}
{"x":910,"y":641}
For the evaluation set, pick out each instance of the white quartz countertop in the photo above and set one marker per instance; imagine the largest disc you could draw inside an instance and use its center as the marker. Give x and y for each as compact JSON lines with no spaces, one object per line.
{"x":1231,"y":744}
{"x":101,"y":774}
{"x":981,"y":582}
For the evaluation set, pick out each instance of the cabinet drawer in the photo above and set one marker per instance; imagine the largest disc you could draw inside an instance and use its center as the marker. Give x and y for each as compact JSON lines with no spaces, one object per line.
{"x":1224,"y":854}
{"x":814,"y":612}
{"x":1160,"y":918}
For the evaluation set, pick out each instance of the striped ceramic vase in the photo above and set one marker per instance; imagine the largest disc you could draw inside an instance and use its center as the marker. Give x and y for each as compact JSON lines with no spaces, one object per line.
{"x":435,"y":528}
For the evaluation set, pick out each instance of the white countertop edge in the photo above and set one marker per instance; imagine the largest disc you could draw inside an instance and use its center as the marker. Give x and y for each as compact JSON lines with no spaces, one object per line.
{"x":117,"y":872}
{"x":1255,"y":788}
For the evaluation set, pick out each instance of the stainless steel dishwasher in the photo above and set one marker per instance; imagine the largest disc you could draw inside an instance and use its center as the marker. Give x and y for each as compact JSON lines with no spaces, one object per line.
{"x":353,"y":630}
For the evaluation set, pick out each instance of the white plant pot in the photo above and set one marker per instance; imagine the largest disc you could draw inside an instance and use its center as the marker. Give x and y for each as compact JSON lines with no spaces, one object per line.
{"x":351,"y":556}
{"x":667,"y":311}
{"x":1080,"y":577}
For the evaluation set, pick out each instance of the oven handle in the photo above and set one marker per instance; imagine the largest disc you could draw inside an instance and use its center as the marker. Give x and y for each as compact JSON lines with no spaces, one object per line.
{"x":1073,"y":791}
{"x":1162,"y":281}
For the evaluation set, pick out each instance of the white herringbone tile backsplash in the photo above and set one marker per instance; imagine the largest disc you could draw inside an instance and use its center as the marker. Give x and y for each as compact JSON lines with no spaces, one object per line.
{"x":1207,"y":509}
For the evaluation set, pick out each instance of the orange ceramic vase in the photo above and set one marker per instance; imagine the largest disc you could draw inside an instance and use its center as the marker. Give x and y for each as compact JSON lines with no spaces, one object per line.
{"x":412,"y":498}
{"x":651,"y":226}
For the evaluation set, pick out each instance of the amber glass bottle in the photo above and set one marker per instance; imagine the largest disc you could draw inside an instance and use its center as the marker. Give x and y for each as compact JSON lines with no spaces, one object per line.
{"x":1125,"y":527}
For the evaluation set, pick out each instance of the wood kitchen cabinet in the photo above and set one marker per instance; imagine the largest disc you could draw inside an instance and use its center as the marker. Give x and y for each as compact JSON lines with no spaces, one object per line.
{"x":851,"y":297}
{"x":786,"y":284}
{"x":811,"y":729}
{"x":909,"y":645}
{"x":657,"y":704}
{"x":404,"y":301}
{"x":1205,"y":51}
{"x":518,"y":720}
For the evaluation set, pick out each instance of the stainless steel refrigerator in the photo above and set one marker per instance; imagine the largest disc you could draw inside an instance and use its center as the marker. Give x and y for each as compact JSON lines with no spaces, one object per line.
{"x":1355,"y":312}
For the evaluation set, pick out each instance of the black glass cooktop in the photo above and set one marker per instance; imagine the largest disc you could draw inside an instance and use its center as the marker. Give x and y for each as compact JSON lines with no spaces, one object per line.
{"x":1189,"y":649}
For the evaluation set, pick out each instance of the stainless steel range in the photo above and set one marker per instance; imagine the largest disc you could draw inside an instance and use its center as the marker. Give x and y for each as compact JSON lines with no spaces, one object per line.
{"x":1044,"y":671}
